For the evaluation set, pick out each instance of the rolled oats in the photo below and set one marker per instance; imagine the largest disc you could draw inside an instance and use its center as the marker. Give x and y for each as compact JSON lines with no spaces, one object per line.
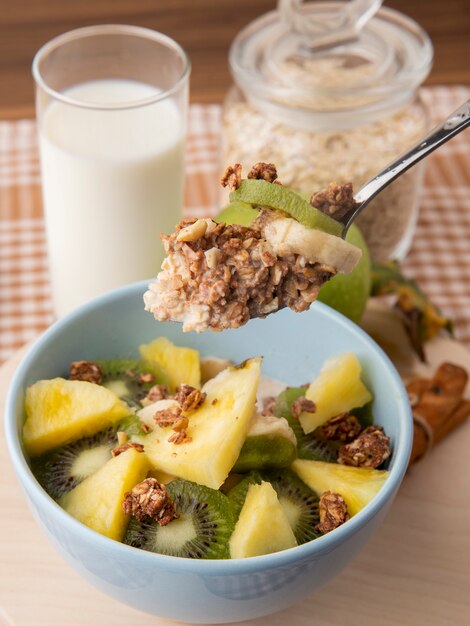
{"x":308,"y":160}
{"x":213,"y":256}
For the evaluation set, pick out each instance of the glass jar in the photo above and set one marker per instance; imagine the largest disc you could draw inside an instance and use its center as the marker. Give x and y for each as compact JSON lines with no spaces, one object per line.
{"x":330,"y":94}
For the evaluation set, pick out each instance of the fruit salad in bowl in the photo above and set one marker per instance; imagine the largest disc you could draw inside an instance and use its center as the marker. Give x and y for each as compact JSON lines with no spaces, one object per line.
{"x":135,"y":452}
{"x":237,"y":471}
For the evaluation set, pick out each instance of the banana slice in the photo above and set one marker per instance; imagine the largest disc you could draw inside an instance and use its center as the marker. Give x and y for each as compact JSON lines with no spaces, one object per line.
{"x":270,"y":426}
{"x":287,"y":236}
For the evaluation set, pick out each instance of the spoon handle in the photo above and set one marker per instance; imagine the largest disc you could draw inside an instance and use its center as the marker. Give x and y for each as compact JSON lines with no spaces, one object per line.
{"x":454,"y":124}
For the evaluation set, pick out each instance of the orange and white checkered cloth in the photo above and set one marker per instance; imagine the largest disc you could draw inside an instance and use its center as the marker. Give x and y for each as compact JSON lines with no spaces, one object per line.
{"x":439,"y":259}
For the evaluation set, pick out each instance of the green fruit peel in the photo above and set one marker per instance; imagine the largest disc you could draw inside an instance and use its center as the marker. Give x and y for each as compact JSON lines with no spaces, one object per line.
{"x":237,"y":212}
{"x":263,"y":452}
{"x":263,"y":193}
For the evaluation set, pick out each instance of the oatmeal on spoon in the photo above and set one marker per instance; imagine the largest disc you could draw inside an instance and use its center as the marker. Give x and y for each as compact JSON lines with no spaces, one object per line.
{"x":269,"y":249}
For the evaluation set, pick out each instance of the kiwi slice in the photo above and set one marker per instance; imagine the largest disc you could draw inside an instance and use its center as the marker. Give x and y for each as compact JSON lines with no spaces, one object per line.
{"x":237,"y":494}
{"x":128,"y":378}
{"x":283,"y":408}
{"x":202,"y":530}
{"x":230,"y":482}
{"x":237,"y":212}
{"x":263,"y":193}
{"x":299,"y":502}
{"x":65,"y":467}
{"x":364,"y":415}
{"x":264,"y":452}
{"x":312,"y":446}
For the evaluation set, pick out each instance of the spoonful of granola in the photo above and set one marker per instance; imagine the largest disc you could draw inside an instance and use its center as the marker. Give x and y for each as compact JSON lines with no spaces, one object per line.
{"x":269,"y":249}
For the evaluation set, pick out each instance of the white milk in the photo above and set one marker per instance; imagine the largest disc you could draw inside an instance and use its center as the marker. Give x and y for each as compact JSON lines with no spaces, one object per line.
{"x":112,"y":182}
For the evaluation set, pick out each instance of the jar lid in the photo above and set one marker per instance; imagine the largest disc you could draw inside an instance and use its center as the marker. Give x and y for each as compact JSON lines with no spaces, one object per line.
{"x":330,"y":64}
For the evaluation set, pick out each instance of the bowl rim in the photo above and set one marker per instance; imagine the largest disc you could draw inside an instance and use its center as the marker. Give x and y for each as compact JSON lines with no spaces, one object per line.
{"x":315,"y":548}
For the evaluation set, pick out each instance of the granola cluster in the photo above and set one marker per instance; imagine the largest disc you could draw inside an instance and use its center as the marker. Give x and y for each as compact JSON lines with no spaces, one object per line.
{"x":263,"y":171}
{"x":336,"y":200}
{"x":344,"y":427}
{"x":370,"y":449}
{"x":150,"y":498}
{"x":168,"y":416}
{"x":232,"y":177}
{"x":127,"y":446}
{"x":361,"y":448}
{"x":154,"y":394}
{"x":176,"y":412}
{"x":180,"y":436}
{"x":189,"y":398}
{"x":268,"y":404}
{"x":219,"y":276}
{"x":91,"y":372}
{"x":87,"y":371}
{"x":302,"y":405}
{"x":333,"y":512}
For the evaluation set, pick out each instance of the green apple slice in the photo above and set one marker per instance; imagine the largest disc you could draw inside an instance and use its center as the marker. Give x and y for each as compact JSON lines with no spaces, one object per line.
{"x":237,"y":212}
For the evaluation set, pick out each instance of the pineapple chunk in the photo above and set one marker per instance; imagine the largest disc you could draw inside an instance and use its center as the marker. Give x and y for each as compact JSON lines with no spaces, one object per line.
{"x":146,"y":415}
{"x":176,"y":365}
{"x":217,"y":429}
{"x":162,"y":477}
{"x":357,"y":485}
{"x":59,"y":411}
{"x":97,"y":501}
{"x":338,"y":388}
{"x":263,"y":526}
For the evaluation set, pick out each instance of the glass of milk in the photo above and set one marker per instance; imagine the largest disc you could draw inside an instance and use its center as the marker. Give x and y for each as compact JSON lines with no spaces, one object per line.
{"x":111,"y":105}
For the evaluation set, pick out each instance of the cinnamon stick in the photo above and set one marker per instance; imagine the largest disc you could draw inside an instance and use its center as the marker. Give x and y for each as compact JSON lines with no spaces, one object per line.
{"x":438,"y":406}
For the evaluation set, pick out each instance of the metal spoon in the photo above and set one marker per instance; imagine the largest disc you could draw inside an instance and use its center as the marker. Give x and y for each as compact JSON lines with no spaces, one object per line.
{"x":453,"y":125}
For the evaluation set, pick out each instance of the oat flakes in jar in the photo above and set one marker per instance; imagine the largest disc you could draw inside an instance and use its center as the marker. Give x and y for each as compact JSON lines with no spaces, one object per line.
{"x":328,"y":91}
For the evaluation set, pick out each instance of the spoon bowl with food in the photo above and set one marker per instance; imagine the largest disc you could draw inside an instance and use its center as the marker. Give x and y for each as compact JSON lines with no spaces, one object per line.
{"x":272,"y":248}
{"x":218,"y":274}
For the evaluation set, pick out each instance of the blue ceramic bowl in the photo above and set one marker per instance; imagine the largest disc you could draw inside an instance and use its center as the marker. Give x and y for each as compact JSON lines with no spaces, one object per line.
{"x":294,"y":346}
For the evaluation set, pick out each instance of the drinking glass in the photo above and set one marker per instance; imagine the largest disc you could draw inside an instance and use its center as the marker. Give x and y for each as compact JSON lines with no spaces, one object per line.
{"x":111,"y":105}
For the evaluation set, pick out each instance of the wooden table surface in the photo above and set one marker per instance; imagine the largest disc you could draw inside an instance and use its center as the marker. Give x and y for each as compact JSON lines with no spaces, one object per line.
{"x":205,"y":28}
